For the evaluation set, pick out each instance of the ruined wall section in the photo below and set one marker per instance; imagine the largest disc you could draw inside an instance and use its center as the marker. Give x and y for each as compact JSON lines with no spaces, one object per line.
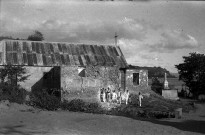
{"x":143,"y":80}
{"x":35,"y":76}
{"x":96,"y":77}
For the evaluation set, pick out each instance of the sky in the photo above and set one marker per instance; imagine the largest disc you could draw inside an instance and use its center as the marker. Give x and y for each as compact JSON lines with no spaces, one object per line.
{"x":150,"y":33}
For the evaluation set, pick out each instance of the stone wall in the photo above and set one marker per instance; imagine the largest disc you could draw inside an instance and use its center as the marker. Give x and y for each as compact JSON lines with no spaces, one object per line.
{"x":143,"y":80}
{"x":170,"y":94}
{"x":96,"y":77}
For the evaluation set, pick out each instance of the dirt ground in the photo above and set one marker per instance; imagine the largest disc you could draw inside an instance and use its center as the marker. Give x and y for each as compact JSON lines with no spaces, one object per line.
{"x":23,"y":120}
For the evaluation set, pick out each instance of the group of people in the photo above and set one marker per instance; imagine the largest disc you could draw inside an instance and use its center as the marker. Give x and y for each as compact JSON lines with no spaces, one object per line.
{"x":112,"y":96}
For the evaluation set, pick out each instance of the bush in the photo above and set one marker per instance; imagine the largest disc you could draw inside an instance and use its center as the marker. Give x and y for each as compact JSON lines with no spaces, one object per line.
{"x":42,"y":99}
{"x":156,"y":85}
{"x":78,"y":105}
{"x":12,"y":93}
{"x":74,"y":105}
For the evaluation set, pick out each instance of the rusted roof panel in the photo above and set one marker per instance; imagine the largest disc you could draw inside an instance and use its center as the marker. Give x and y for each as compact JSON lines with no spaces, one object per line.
{"x":39,"y":59}
{"x":62,"y":59}
{"x":38,"y":47}
{"x":88,"y":50}
{"x":84,"y":49}
{"x":75,"y":57}
{"x":97,"y":50}
{"x":60,"y":47}
{"x":55,"y":48}
{"x":15,"y":46}
{"x":88,"y":61}
{"x":33,"y":46}
{"x":92,"y":49}
{"x":25,"y":59}
{"x":56,"y":54}
{"x":64,"y":48}
{"x":68,"y":59}
{"x":15,"y":59}
{"x":47,"y":48}
{"x":106,"y":50}
{"x":34,"y":59}
{"x":51,"y":48}
{"x":116,"y":53}
{"x":30,"y":59}
{"x":9,"y":58}
{"x":1,"y":57}
{"x":72,"y":47}
{"x":80,"y":60}
{"x":42,"y":48}
{"x":58,"y":58}
{"x":83,"y":60}
{"x":8,"y":46}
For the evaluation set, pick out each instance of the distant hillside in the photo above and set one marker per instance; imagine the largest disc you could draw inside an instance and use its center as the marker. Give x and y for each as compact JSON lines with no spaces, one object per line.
{"x":5,"y":37}
{"x":155,"y":71}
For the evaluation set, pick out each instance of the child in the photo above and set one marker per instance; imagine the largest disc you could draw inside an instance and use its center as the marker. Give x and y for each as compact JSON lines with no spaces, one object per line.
{"x":140,"y":99}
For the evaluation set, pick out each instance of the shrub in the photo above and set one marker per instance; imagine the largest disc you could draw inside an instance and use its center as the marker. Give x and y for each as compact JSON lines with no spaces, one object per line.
{"x":12,"y":93}
{"x":78,"y":105}
{"x":74,"y":105}
{"x":44,"y":100}
{"x":156,"y":85}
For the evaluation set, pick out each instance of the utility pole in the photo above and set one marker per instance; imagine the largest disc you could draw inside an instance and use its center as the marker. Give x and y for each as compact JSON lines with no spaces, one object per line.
{"x":116,"y":38}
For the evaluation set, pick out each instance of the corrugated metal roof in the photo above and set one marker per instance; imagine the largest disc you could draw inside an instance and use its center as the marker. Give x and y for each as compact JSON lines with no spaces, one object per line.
{"x":37,"y":53}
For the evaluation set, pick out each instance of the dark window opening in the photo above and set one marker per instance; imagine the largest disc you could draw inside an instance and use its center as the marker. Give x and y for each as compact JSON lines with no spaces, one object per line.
{"x":135,"y":78}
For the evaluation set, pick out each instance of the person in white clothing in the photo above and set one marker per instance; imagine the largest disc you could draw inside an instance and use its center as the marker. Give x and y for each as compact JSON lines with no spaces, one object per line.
{"x":114,"y":97}
{"x":140,"y":99}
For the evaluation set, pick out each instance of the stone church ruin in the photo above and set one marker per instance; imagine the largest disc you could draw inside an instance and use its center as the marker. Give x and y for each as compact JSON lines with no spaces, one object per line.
{"x":77,"y":70}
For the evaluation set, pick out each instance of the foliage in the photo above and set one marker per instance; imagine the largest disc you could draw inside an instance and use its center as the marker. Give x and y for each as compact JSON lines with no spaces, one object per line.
{"x":10,"y":73}
{"x":10,"y":90}
{"x":192,"y":72}
{"x":42,"y":99}
{"x":156,"y":85}
{"x":36,"y":36}
{"x":155,"y":71}
{"x":12,"y":93}
{"x":78,"y":105}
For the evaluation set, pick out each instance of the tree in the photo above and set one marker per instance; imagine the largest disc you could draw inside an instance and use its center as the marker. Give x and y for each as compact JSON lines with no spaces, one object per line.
{"x":37,"y":36}
{"x":13,"y":74}
{"x":9,"y":88}
{"x":192,"y":72}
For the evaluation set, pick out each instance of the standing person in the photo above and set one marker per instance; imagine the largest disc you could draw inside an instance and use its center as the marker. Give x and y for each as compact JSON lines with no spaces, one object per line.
{"x":127,"y":94}
{"x":104,"y":95}
{"x":140,"y":99}
{"x":114,"y":97}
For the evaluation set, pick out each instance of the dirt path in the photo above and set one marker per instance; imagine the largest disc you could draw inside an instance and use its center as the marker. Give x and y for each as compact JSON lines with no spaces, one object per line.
{"x":16,"y":122}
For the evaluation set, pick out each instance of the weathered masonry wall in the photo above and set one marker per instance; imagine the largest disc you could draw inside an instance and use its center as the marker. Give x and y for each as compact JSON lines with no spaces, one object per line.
{"x":42,"y":77}
{"x":136,"y":80}
{"x":85,"y":82}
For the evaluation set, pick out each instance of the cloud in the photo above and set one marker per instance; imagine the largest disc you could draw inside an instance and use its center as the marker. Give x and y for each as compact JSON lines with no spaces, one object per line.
{"x":173,"y":40}
{"x":94,"y":31}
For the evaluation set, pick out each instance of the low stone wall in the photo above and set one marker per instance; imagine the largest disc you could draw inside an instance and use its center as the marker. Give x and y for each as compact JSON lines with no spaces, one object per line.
{"x":170,"y":94}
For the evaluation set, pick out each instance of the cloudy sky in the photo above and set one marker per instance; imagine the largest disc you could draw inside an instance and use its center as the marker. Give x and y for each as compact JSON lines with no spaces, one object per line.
{"x":150,"y":33}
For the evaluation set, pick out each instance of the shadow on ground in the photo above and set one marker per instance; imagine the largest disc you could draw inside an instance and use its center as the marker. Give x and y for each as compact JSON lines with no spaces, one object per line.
{"x":7,"y":130}
{"x":186,"y":125}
